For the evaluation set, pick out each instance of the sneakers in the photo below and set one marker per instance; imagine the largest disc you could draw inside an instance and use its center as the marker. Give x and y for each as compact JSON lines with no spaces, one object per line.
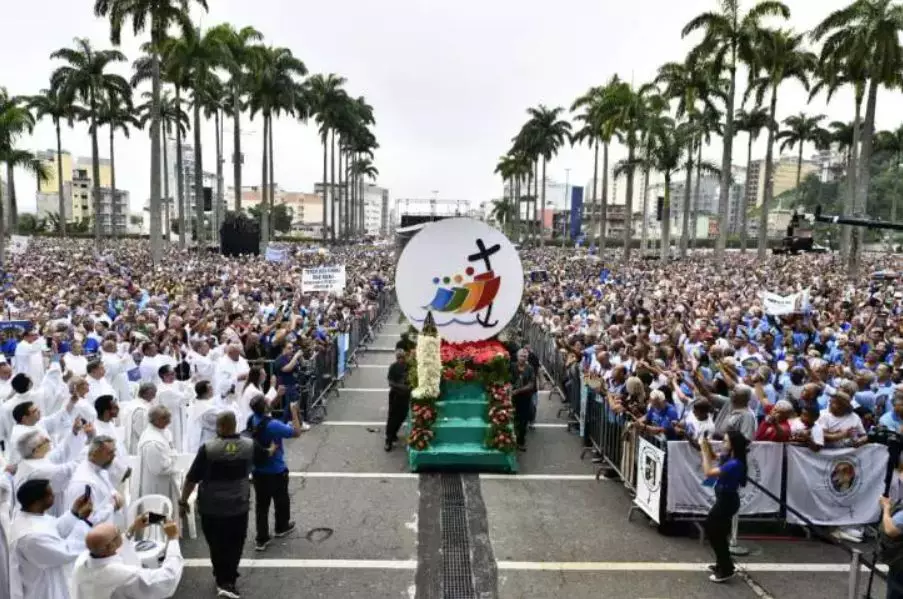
{"x":388,"y":446}
{"x":227,"y":590}
{"x":844,"y":534}
{"x":262,"y":545}
{"x":305,"y":427}
{"x":720,"y":578}
{"x":288,"y":530}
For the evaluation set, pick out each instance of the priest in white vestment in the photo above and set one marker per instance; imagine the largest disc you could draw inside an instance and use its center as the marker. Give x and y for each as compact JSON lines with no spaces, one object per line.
{"x":107,"y":409}
{"x":133,"y":416}
{"x":74,"y":360}
{"x":116,"y":369}
{"x":231,"y":372}
{"x":176,"y":397}
{"x":98,"y":384}
{"x":108,"y":504}
{"x":157,"y":474}
{"x":199,"y":359}
{"x":27,"y":417}
{"x":56,"y":391}
{"x":6,"y":379}
{"x":43,"y":548}
{"x":29,"y":356}
{"x":7,"y":497}
{"x":22,"y":391}
{"x":202,"y":417}
{"x":41,"y":459}
{"x":107,"y":569}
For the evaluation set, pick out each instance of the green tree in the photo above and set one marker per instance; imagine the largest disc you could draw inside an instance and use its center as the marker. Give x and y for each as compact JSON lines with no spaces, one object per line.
{"x":502,"y":212}
{"x":863,"y":39}
{"x":85,"y":78}
{"x":728,"y":39}
{"x":116,"y":112}
{"x":326,"y":99}
{"x":779,"y":57}
{"x":801,"y":129}
{"x":363,"y":168}
{"x":667,"y":145}
{"x":51,"y":103}
{"x":750,"y":122}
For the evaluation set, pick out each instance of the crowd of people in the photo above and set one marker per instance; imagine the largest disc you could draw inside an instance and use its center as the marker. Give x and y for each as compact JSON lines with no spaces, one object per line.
{"x":114,"y":369}
{"x":691,"y":350}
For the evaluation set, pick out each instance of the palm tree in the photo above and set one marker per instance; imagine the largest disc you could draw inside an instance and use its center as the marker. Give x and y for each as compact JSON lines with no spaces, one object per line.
{"x":548,"y":132}
{"x":502,"y":212}
{"x":666,"y":148}
{"x":864,"y":38}
{"x":274,"y":89}
{"x":891,"y":142}
{"x":779,"y":57}
{"x":52,"y":103}
{"x":326,"y":99}
{"x":654,"y":120}
{"x":116,"y":113}
{"x":216,"y":101}
{"x":15,"y":121}
{"x":85,"y":78}
{"x":750,"y":122}
{"x":360,"y":169}
{"x":801,"y":129}
{"x":506,"y":168}
{"x":241,"y":48}
{"x":596,"y":129}
{"x":158,"y":16}
{"x":728,"y":37}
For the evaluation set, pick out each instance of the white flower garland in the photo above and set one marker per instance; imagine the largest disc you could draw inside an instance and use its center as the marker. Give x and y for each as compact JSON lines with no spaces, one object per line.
{"x":429,"y":367}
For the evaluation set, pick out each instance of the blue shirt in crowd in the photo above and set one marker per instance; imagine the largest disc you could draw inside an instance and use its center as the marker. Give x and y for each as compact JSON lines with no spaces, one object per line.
{"x":275,"y":432}
{"x":662,"y":418}
{"x":890,"y":421}
{"x":731,"y":474}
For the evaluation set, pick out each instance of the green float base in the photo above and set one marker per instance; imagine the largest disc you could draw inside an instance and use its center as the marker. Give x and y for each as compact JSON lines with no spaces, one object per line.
{"x":460,"y":431}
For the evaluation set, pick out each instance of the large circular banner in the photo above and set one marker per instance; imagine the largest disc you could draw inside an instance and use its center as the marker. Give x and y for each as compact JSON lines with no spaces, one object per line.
{"x":463,"y":271}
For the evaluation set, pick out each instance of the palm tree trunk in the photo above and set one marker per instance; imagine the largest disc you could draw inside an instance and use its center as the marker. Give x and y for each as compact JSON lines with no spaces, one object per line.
{"x":534,"y":218}
{"x":95,"y":174}
{"x":628,"y":212}
{"x":113,"y":203}
{"x":685,"y":217}
{"x":726,"y":157}
{"x":644,"y":234}
{"x":361,"y":204}
{"x":264,"y":202}
{"x":2,"y":231}
{"x":666,"y":220}
{"x":332,"y":198}
{"x":515,"y":225}
{"x":272,"y":162}
{"x":743,"y":204}
{"x":59,"y":178}
{"x":799,"y":174}
{"x":180,"y":177}
{"x":603,"y":215}
{"x":199,"y":228}
{"x":594,"y":215}
{"x":217,"y":209}
{"x":343,"y":209}
{"x":769,"y":184}
{"x":865,"y":176}
{"x":542,"y":216}
{"x":849,"y":206}
{"x":694,"y":226}
{"x":154,"y":215}
{"x":236,"y":144}
{"x":13,"y":204}
{"x":325,"y":206}
{"x":166,"y":199}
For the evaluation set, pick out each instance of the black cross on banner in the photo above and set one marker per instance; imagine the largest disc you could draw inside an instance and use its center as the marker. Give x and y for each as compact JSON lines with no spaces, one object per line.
{"x":484,"y":253}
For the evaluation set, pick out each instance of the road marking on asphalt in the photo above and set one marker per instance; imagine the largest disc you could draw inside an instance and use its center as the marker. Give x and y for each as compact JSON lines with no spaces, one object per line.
{"x":346,"y":564}
{"x":383,"y":366}
{"x":353,"y":475}
{"x":553,"y":477}
{"x":383,"y":422}
{"x":375,"y":564}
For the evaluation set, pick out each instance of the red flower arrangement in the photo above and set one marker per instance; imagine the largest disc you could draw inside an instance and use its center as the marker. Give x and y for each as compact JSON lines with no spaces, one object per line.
{"x":423,"y":415}
{"x":419,"y":438}
{"x":476,"y":352}
{"x":501,"y":415}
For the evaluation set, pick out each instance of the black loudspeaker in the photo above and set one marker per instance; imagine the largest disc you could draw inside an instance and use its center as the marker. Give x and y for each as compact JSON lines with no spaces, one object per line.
{"x":208,"y":199}
{"x":239,"y":235}
{"x":659,"y":208}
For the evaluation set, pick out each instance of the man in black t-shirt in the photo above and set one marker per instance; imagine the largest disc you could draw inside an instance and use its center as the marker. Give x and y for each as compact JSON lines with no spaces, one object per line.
{"x":523,"y":388}
{"x":399,"y":397}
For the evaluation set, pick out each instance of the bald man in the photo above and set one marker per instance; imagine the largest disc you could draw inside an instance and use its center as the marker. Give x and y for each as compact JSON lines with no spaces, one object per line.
{"x":101,"y":572}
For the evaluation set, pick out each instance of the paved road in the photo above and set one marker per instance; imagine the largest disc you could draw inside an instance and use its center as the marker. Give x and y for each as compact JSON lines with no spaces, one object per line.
{"x":369,"y":529}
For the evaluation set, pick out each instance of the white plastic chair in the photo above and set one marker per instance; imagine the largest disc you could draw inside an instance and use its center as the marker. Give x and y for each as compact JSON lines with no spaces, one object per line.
{"x":159,"y":504}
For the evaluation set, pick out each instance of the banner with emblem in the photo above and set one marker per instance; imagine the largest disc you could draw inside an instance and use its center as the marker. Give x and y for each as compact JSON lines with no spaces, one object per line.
{"x":650,"y":467}
{"x":687,"y":494}
{"x":835,"y":487}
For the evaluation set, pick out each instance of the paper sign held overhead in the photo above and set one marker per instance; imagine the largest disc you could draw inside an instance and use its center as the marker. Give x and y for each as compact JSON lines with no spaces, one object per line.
{"x":323,"y":279}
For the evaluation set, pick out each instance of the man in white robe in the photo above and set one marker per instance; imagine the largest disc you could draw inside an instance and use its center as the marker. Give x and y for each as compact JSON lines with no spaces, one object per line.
{"x":29,"y":356}
{"x":108,"y":504}
{"x":74,"y":360}
{"x":202,"y":365}
{"x":176,"y":397}
{"x":7,"y":497}
{"x":43,"y":548}
{"x":231,"y":372}
{"x":55,"y":463}
{"x":133,"y":416}
{"x":105,"y":570}
{"x":6,"y":380}
{"x":107,"y":409}
{"x":97,"y":381}
{"x":116,"y":368}
{"x":151,"y":363}
{"x":202,"y":417}
{"x":22,"y":392}
{"x":55,"y":390}
{"x":27,"y":417}
{"x":157,"y":474}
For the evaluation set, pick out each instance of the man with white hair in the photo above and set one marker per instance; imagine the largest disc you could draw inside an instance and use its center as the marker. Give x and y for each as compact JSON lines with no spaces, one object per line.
{"x":133,"y":415}
{"x":108,"y":504}
{"x":42,"y":459}
{"x":175,"y":396}
{"x":98,"y":384}
{"x":231,"y":370}
{"x":157,"y":457}
{"x":202,"y":416}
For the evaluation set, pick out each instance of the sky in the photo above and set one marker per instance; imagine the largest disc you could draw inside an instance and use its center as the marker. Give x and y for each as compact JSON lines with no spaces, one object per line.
{"x":450,"y":82}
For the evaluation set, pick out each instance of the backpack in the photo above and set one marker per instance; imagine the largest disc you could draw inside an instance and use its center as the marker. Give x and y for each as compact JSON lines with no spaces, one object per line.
{"x":261,"y":452}
{"x":890,"y":550}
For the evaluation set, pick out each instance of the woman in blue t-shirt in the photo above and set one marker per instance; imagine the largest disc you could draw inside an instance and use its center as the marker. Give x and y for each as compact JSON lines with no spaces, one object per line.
{"x":728,"y":471}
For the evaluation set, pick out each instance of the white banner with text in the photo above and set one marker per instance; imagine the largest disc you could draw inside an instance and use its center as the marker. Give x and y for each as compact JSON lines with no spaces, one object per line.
{"x":323,"y":279}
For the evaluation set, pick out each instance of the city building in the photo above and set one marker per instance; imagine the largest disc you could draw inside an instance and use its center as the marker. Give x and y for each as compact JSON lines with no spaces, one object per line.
{"x":78,"y":192}
{"x":784,"y":178}
{"x":208,"y":180}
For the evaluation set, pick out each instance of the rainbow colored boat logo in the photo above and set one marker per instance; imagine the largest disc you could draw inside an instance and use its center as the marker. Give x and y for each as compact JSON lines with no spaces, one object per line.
{"x":465,"y":297}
